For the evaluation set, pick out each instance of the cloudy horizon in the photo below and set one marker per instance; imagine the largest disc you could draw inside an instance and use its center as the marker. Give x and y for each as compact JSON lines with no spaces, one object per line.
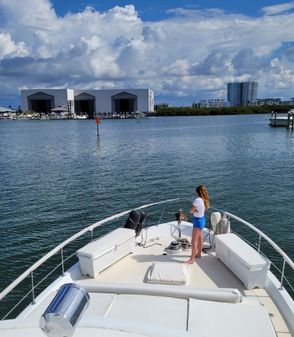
{"x":186,"y":55}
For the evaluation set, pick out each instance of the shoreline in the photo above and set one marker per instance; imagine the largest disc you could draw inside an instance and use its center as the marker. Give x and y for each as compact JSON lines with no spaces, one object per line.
{"x":163,"y":112}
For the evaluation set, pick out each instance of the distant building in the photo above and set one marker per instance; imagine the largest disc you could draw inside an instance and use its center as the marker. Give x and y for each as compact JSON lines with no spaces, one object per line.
{"x":242,"y":94}
{"x":90,"y":102}
{"x":268,"y":101}
{"x":211,"y":103}
{"x":274,"y":101}
{"x":291,"y":102}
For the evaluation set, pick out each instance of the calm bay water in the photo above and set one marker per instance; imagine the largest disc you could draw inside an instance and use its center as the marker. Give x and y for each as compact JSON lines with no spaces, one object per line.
{"x":57,"y":178}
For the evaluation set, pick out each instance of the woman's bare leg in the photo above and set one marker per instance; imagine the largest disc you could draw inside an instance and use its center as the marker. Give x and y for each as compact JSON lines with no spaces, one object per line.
{"x":194,"y":246}
{"x":199,"y":242}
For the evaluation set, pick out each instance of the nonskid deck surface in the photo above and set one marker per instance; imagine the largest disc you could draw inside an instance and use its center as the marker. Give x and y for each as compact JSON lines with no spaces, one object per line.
{"x":206,"y":273}
{"x":134,"y":314}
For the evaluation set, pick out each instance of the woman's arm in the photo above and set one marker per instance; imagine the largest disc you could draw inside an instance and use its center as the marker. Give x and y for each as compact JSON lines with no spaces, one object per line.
{"x":193,"y":210}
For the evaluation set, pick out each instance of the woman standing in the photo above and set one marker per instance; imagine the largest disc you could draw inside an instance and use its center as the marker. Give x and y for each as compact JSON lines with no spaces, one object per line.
{"x":200,"y":204}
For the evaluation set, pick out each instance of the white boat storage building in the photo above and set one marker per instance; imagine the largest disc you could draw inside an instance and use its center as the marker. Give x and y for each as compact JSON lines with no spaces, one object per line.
{"x":89,"y":102}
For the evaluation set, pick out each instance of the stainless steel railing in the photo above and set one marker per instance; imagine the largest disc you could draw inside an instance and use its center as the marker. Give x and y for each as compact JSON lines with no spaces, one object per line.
{"x":59,"y":249}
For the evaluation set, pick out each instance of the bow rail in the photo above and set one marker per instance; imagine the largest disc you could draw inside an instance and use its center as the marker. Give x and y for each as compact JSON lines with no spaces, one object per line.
{"x":91,"y":228}
{"x":60,"y":247}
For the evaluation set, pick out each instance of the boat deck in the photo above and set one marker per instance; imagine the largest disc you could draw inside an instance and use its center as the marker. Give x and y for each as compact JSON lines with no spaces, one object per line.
{"x":256,"y":315}
{"x":207,"y":273}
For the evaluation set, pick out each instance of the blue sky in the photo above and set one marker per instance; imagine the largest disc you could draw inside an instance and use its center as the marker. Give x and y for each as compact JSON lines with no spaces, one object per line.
{"x":158,"y":9}
{"x":183,"y":50}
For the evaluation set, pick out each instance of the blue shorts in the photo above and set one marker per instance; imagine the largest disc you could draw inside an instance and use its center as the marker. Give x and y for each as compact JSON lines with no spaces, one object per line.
{"x":199,"y":222}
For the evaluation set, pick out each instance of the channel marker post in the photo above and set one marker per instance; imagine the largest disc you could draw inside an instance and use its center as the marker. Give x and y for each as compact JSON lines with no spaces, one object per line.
{"x":97,"y":124}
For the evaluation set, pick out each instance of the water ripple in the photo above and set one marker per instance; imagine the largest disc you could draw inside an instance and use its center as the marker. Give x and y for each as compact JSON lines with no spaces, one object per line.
{"x":57,"y":178}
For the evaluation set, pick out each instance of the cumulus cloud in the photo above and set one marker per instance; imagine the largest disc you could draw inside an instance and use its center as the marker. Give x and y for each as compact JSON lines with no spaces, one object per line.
{"x":9,"y":48}
{"x":246,"y":62}
{"x":217,"y":63}
{"x":191,"y":53}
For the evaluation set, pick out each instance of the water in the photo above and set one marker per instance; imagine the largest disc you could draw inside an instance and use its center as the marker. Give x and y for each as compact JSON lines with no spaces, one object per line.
{"x":57,"y":178}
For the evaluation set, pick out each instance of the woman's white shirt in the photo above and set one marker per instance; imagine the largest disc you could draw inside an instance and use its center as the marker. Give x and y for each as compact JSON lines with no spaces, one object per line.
{"x":199,"y":204}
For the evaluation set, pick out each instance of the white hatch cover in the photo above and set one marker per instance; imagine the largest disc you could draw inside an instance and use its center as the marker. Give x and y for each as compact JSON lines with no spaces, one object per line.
{"x":241,"y":250}
{"x":107,"y":242}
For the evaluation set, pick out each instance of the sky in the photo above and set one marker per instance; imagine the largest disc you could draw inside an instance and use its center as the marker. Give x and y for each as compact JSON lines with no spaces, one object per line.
{"x":183,"y":50}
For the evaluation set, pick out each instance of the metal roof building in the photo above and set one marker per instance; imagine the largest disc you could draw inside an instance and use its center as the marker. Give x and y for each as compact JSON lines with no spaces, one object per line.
{"x":90,"y":102}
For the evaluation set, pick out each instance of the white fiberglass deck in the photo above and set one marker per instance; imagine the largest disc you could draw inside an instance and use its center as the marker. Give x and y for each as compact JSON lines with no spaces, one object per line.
{"x":133,"y":312}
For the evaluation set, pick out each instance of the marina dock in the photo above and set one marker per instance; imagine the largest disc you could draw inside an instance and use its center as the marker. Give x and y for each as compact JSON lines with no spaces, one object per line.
{"x":285,"y":120}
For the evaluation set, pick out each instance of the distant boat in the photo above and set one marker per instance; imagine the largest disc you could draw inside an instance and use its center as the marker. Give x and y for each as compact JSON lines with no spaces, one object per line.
{"x":60,"y":108}
{"x":6,"y":113}
{"x":81,"y":117}
{"x":139,"y":115}
{"x":2,"y":109}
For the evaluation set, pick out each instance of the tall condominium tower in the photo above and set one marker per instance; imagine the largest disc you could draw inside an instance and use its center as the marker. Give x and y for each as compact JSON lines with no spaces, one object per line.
{"x":244,"y":93}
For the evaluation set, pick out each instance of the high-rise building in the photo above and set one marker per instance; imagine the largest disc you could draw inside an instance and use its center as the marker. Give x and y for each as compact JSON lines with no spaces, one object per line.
{"x":242,"y":94}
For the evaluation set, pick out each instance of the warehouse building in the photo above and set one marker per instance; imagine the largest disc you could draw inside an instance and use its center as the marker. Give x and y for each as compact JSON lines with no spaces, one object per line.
{"x":90,"y":102}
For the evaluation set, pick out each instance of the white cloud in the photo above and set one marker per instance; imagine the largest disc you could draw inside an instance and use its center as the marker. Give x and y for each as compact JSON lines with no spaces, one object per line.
{"x":192,"y":53}
{"x":9,"y":48}
{"x":277,"y":9}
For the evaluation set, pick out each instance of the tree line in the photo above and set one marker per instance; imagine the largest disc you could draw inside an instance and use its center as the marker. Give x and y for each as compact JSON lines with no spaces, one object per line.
{"x":236,"y":110}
